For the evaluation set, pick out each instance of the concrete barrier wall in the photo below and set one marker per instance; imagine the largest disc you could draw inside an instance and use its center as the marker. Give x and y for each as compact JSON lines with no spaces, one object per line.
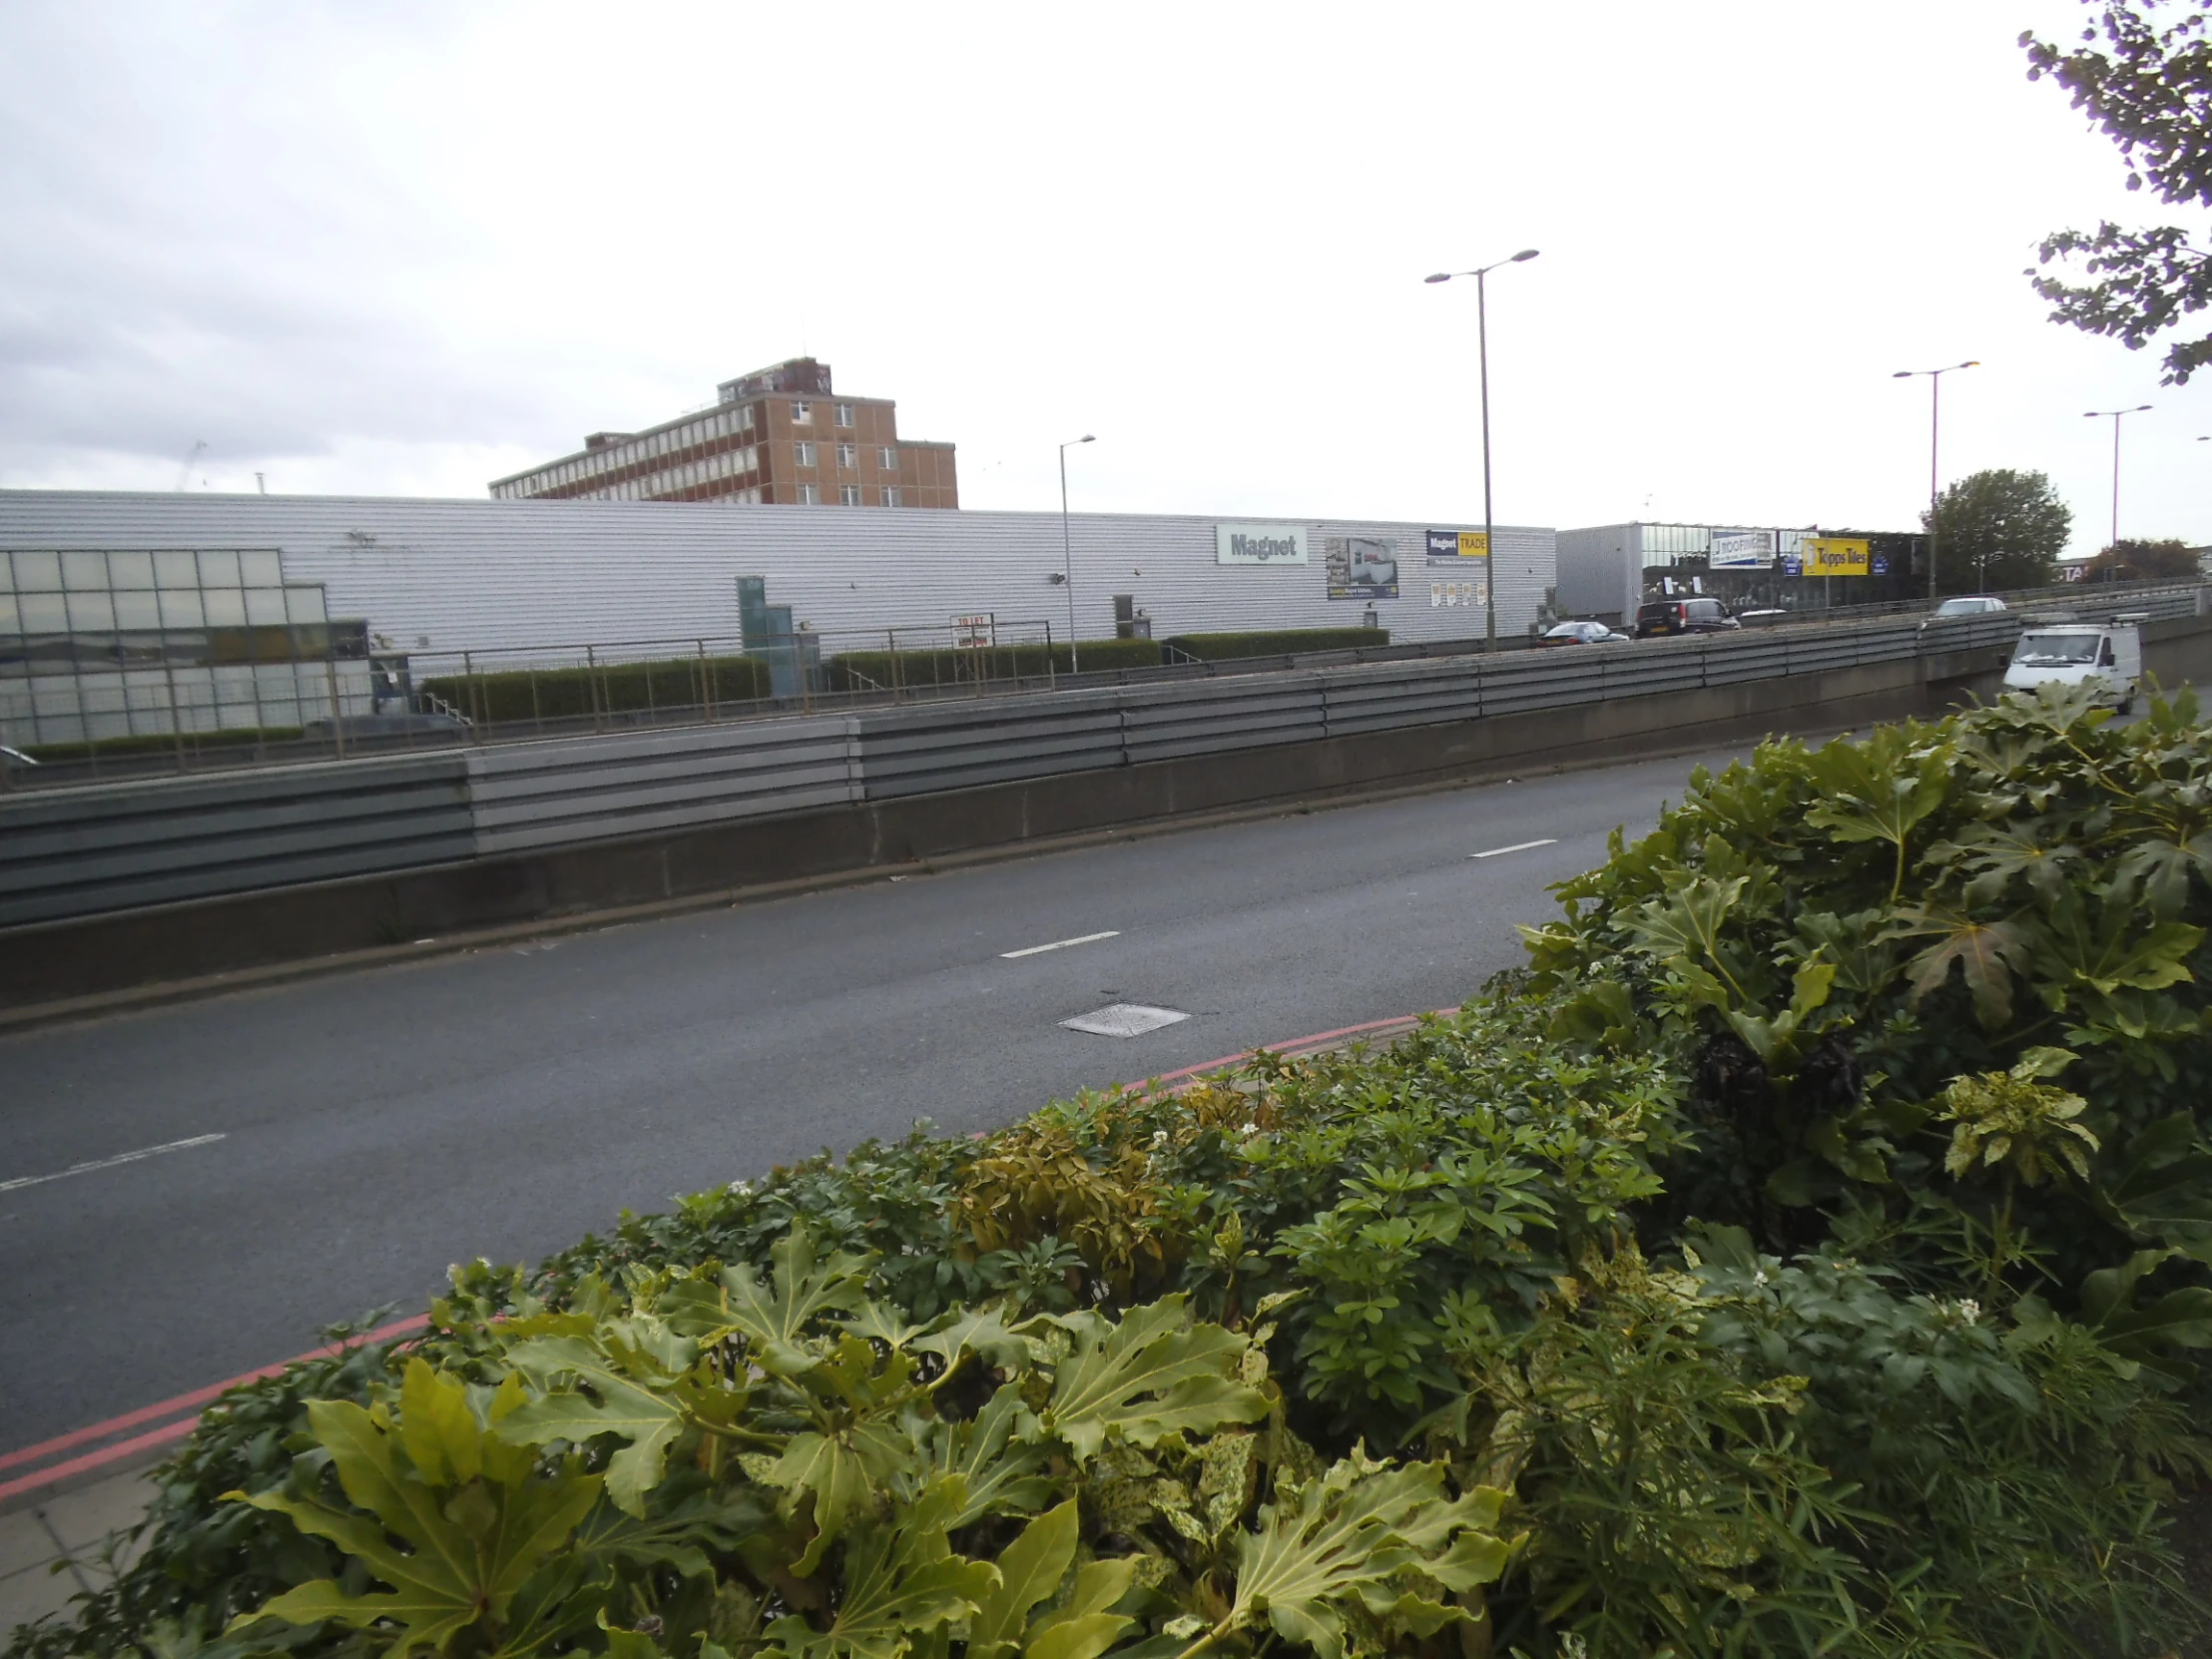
{"x":856,"y":793}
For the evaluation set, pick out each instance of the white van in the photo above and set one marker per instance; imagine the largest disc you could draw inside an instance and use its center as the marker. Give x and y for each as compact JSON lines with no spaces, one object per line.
{"x":2068,"y":654}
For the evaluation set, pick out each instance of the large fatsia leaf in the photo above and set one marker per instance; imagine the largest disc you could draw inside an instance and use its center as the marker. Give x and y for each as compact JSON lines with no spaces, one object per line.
{"x":1877,"y":791}
{"x":902,"y":1583}
{"x":2140,"y":1329}
{"x":804,"y":1290}
{"x":1030,"y":1572}
{"x":999,"y":1474}
{"x":2103,"y":953}
{"x":683,"y":1519}
{"x":2160,"y":1186}
{"x":456,"y":1537}
{"x":2161,"y":868}
{"x":631,"y":1397}
{"x":1987,"y":954}
{"x":1153,"y":1373}
{"x":1364,"y":1531}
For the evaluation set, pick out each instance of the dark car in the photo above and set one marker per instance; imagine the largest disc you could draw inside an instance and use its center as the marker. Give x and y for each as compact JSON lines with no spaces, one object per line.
{"x":1683,"y":616}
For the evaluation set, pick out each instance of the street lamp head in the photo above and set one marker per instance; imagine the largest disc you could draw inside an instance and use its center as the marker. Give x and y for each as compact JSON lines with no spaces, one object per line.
{"x":1087,"y":438}
{"x":2139,"y":408}
{"x":1524,"y":253}
{"x":1441,"y":276}
{"x":1902,"y":374}
{"x":1971,"y":363}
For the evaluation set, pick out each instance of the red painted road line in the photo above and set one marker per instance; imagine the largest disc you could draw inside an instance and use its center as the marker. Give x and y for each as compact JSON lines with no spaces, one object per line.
{"x":399,"y":1328}
{"x":167,"y":1408}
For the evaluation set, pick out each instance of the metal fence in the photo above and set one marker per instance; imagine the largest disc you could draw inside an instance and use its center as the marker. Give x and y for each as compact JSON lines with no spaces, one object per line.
{"x":117,"y":845}
{"x":343,"y":707}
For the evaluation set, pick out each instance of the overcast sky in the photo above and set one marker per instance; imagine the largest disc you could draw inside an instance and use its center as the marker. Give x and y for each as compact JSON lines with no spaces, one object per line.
{"x":405,"y":248}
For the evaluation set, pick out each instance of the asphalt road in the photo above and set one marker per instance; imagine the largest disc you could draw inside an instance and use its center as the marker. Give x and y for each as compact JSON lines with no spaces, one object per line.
{"x":375,"y":1127}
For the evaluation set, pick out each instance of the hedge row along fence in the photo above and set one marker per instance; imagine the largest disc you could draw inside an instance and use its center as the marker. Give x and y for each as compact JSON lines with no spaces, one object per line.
{"x":1810,"y":1253}
{"x":1221,"y":648}
{"x":857,"y":671}
{"x":530,"y":695}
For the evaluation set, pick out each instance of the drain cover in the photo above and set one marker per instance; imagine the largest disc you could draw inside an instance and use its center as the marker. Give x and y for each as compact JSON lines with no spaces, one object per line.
{"x":1124,"y":1019}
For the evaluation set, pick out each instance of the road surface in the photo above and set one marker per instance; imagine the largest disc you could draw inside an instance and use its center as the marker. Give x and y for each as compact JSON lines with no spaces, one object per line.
{"x":330,"y":1145}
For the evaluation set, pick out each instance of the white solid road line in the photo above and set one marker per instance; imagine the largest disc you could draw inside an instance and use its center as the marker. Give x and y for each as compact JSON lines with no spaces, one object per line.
{"x":108,"y":1163}
{"x":1035,"y":950}
{"x":1517,"y":846}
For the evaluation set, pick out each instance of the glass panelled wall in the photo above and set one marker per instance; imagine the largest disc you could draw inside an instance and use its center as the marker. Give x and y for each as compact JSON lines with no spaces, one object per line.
{"x":108,"y":642}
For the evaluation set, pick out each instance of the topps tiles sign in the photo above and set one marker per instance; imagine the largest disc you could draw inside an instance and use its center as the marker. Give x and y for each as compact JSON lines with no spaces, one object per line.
{"x":1258,"y":544}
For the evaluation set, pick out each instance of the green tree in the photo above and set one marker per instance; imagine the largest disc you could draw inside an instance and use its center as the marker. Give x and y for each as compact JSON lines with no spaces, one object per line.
{"x":2143,"y":73}
{"x":1997,"y":530}
{"x":2131,"y":560}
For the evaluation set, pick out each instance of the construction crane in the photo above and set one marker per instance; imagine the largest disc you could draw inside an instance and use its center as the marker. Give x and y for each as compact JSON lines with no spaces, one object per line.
{"x":184,"y":473}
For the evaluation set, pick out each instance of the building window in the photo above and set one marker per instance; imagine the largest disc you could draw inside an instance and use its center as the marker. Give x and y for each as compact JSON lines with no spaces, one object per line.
{"x":844,"y":414}
{"x":745,"y":421}
{"x":803,"y":413}
{"x":849,"y":495}
{"x":890,"y":498}
{"x":809,"y":495}
{"x":849,"y":455}
{"x":803,"y":453}
{"x":888,"y":458}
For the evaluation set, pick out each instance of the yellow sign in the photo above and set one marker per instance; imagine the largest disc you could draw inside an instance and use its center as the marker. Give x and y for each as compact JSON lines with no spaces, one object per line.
{"x":1475,"y":544}
{"x":1836,"y":556}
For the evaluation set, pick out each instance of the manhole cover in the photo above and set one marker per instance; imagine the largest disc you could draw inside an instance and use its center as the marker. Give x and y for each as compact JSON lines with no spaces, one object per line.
{"x":1124,"y":1019}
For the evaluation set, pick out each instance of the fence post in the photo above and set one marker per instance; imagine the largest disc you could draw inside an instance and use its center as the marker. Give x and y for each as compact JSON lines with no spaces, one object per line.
{"x":591,"y":684}
{"x":706,"y":687}
{"x":176,"y":717}
{"x":890,"y":647}
{"x":338,"y":710}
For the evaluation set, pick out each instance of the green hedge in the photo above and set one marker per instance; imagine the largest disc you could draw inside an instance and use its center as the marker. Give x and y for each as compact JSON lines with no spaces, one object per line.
{"x":869,"y":670}
{"x":160,"y":743}
{"x":617,"y":687}
{"x":1219,"y":648}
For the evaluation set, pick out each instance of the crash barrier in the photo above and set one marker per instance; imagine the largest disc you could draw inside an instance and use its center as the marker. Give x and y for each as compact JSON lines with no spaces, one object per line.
{"x":104,"y":848}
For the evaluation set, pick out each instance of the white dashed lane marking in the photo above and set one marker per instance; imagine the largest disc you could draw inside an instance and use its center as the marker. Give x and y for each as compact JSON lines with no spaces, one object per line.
{"x":108,"y":1163}
{"x":1517,"y":846}
{"x":1059,"y":944}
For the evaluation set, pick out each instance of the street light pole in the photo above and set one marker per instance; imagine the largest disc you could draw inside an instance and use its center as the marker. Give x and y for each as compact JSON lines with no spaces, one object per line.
{"x":1067,"y":562}
{"x":2112,"y":572}
{"x":1483,"y":348}
{"x":1934,"y":430}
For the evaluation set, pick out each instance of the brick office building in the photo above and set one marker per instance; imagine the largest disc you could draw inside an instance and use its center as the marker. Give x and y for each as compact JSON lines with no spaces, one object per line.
{"x":778,"y":435}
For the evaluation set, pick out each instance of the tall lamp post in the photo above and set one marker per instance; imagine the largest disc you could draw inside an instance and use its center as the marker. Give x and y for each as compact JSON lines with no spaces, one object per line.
{"x":1482,"y":338}
{"x":1067,"y":563}
{"x":1934,"y":429}
{"x":2112,"y":572}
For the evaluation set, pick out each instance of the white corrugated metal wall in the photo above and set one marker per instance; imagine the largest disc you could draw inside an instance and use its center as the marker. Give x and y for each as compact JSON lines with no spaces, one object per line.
{"x":483,"y":575}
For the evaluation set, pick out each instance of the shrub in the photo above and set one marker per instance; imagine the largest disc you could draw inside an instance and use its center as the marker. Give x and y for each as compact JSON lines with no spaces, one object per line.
{"x":149,"y":743}
{"x":516,"y":695}
{"x":1219,"y":648}
{"x":1739,"y":1280}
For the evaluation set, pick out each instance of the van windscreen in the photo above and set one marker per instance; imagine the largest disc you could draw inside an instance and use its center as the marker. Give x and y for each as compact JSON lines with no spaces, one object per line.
{"x":2056,"y":650}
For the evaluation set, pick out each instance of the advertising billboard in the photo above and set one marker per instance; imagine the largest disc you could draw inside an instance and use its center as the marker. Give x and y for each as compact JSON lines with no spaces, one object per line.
{"x":1459,"y":544}
{"x":1836,"y":556}
{"x":1741,"y":550}
{"x":1360,"y":567}
{"x":1258,"y":544}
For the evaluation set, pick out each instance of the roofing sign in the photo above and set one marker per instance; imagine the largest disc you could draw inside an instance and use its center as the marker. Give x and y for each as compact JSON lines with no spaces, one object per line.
{"x":1740,"y":550}
{"x":1258,"y":544}
{"x":1459,"y":544}
{"x":1836,"y":556}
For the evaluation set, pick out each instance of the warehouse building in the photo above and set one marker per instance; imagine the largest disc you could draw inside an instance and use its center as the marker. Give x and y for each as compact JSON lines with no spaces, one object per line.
{"x":506,"y":582}
{"x":1606,"y":571}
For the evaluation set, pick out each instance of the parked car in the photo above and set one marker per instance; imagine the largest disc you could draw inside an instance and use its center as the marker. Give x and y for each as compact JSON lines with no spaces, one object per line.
{"x":1967,"y":604}
{"x":1683,"y":616}
{"x":1581,"y":633}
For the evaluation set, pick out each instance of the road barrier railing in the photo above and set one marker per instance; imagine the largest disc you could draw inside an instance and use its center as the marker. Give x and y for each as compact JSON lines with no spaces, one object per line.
{"x":115,"y":845}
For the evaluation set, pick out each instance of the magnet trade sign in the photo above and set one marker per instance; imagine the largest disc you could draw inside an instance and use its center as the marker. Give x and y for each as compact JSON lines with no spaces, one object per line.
{"x":1836,"y":556}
